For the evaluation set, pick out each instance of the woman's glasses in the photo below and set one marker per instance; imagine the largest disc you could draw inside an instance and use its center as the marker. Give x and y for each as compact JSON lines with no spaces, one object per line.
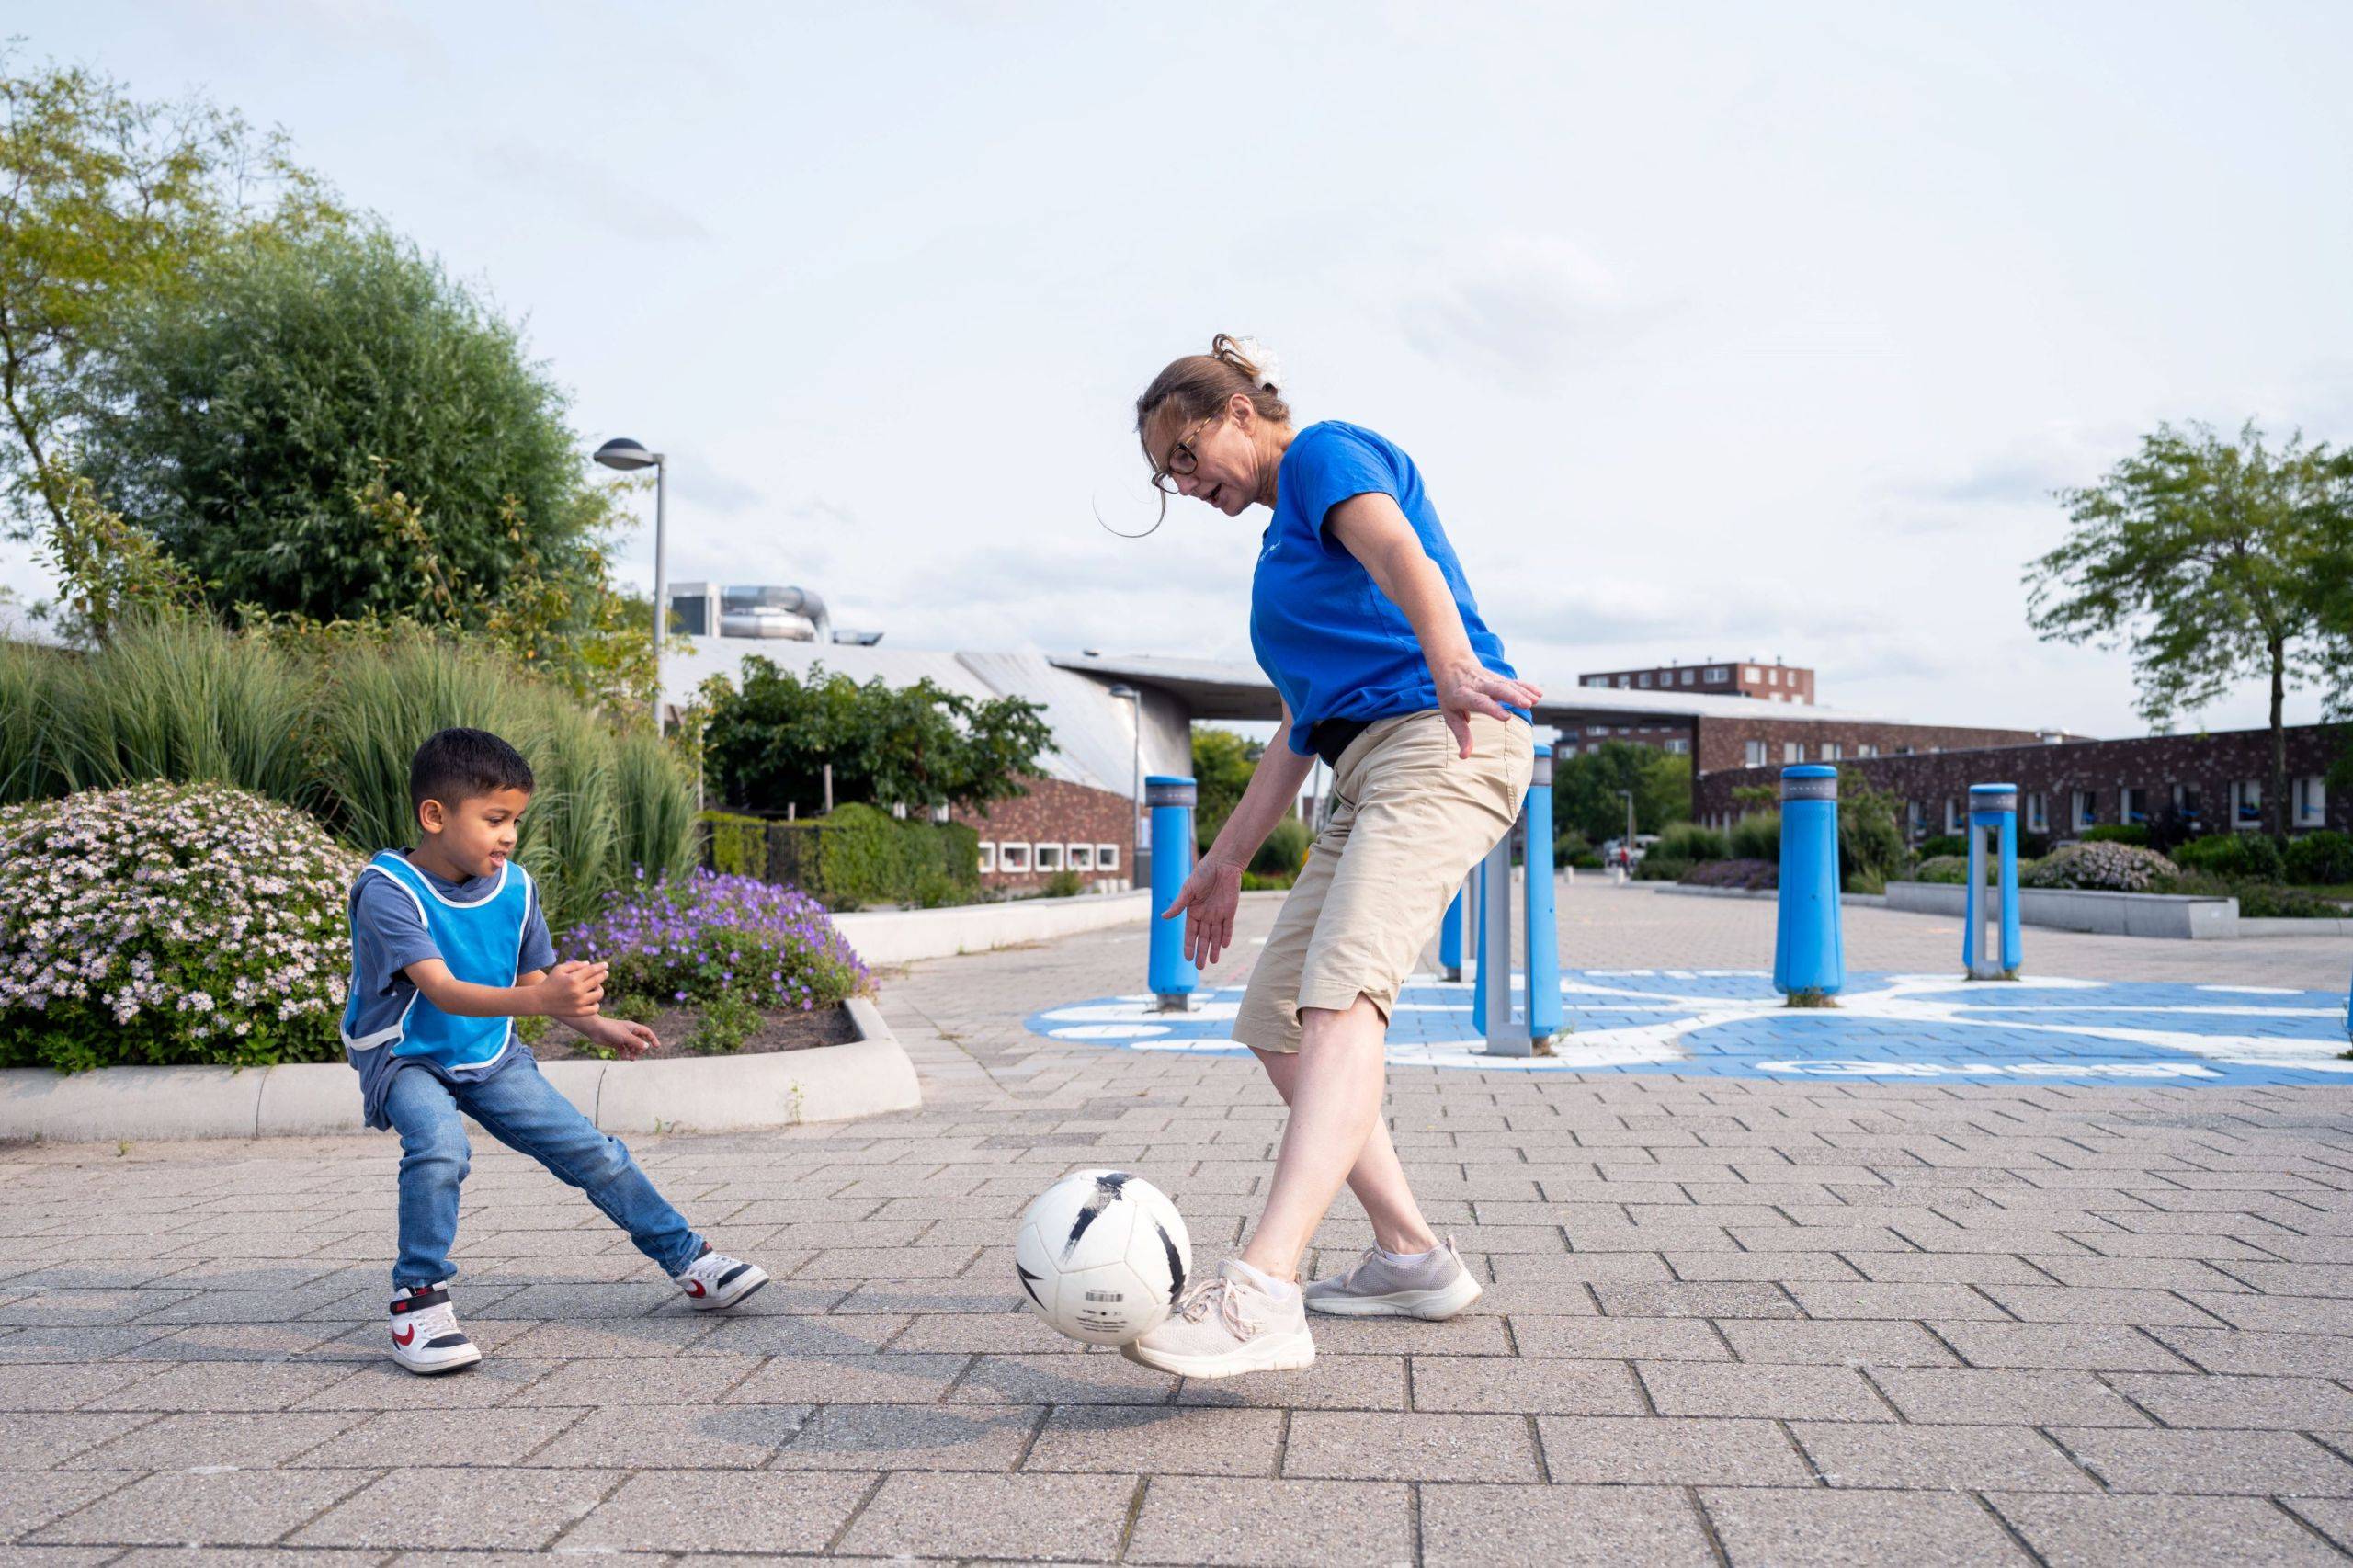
{"x":1182,"y":459}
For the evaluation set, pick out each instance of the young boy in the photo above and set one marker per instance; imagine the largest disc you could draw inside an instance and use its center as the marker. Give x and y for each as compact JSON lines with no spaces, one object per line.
{"x":449,"y":946}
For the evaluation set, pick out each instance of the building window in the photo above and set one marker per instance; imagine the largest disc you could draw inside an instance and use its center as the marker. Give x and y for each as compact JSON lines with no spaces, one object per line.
{"x":1079,"y":857}
{"x":1107,"y":856}
{"x":1719,"y":673}
{"x":1678,"y":747}
{"x":1593,"y":748}
{"x":1772,"y":677}
{"x":1643,"y":681}
{"x":988,"y":858}
{"x":1952,"y":816}
{"x":1013,"y":860}
{"x":1912,"y":824}
{"x":1753,"y":674}
{"x":1866,"y":749}
{"x":2084,"y":810}
{"x":1597,"y":680}
{"x":2312,"y":802}
{"x":939,"y":813}
{"x":2135,"y":806}
{"x":2247,"y":803}
{"x":2188,"y":804}
{"x":2038,"y":816}
{"x":1751,"y":753}
{"x":1625,"y":681}
{"x":1792,"y":751}
{"x":1047,"y":857}
{"x":1686,"y":677}
{"x":1832,"y":751}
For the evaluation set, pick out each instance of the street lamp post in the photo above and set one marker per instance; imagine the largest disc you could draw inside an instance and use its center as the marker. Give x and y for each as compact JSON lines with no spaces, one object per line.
{"x":627,"y":455}
{"x":1135,"y":816}
{"x":1626,"y":850}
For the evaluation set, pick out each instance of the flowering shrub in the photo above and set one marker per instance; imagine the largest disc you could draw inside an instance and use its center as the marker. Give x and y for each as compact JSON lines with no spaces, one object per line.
{"x":706,"y":936}
{"x":170,"y":924}
{"x":2102,"y":867}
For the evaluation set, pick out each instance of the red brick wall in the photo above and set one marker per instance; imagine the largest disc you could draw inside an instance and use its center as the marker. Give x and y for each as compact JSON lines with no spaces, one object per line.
{"x":1723,"y":743}
{"x":1054,"y":812}
{"x":2154,"y":763}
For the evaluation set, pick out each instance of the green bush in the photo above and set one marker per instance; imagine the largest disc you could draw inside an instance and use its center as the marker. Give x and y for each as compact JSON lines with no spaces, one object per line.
{"x":2259,"y":900}
{"x":2325,"y":857}
{"x":1253,"y":883}
{"x":2118,"y":832}
{"x":1065,"y":883}
{"x":1870,"y":841}
{"x":1658,"y":867}
{"x":1757,"y":837}
{"x":1689,"y":841}
{"x":1938,"y":845}
{"x":735,"y":845}
{"x":1946,"y":869}
{"x":2101,"y":868}
{"x":1284,"y":850}
{"x":165,"y":924}
{"x":860,"y":855}
{"x":726,"y":1021}
{"x":2248,"y":855}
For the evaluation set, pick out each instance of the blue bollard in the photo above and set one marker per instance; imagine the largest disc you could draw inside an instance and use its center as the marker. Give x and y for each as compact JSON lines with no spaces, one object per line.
{"x":1171,"y":976}
{"x":1479,"y":945}
{"x":1543,"y":928}
{"x":1450,"y":942}
{"x":1992,"y":808}
{"x":1809,"y":958}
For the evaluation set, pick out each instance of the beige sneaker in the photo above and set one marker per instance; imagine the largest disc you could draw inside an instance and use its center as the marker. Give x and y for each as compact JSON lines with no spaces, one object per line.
{"x":1433,"y":1285}
{"x":1225,"y":1325}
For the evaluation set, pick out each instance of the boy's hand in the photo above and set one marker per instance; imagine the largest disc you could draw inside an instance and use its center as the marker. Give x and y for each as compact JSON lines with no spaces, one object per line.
{"x":627,"y":1040}
{"x":573,"y":990}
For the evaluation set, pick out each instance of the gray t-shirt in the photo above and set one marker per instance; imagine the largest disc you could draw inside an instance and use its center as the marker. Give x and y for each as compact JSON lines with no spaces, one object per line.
{"x":387,"y":936}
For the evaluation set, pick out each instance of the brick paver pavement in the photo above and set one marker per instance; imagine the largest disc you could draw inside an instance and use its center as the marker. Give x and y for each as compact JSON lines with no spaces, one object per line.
{"x":1727,"y":1320}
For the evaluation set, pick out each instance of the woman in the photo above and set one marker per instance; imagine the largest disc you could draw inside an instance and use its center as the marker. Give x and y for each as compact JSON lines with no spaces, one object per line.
{"x":1360,"y":616}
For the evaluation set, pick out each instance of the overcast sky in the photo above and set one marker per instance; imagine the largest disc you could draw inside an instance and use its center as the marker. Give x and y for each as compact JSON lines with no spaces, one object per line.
{"x":1763,"y":331}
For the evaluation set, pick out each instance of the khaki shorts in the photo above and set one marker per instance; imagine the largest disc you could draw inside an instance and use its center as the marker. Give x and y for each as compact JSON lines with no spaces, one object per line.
{"x":1410,"y":817}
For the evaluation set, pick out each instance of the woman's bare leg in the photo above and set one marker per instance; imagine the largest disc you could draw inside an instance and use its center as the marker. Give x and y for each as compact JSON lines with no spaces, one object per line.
{"x":1379,"y":1177}
{"x":1335,"y":1096}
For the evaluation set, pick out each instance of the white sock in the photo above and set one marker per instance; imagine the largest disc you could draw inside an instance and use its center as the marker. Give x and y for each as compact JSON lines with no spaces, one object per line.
{"x":1407,"y":1259}
{"x":1281,"y":1290}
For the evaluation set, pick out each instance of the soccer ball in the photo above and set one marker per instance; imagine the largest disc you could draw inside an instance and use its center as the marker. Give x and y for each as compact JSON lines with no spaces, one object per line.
{"x":1101,"y":1256}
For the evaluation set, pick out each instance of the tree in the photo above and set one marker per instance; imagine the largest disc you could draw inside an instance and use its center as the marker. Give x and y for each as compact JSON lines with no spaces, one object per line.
{"x":1585,"y":790}
{"x":2207,"y":558}
{"x":105,"y":203}
{"x":260,"y":421}
{"x":768,"y":738}
{"x":1223,"y":765}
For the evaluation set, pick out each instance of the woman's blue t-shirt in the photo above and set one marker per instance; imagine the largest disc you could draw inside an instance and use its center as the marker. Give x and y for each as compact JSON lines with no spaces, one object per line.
{"x":1335,"y":646}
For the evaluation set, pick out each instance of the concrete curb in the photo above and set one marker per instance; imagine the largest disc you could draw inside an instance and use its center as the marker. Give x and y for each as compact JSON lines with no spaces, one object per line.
{"x":2272,"y":925}
{"x":1868,"y":900}
{"x":707,"y":1094}
{"x":903,"y":936}
{"x":2179,"y":916}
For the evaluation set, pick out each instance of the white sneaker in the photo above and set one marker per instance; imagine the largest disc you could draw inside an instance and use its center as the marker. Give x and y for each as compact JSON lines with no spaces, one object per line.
{"x":715,"y":1282}
{"x":426,"y":1336}
{"x":1432,"y":1285}
{"x":1227,"y":1325}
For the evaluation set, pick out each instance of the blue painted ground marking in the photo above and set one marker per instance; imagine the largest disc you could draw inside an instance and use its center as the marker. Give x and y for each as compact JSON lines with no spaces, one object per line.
{"x":1890,"y":1027}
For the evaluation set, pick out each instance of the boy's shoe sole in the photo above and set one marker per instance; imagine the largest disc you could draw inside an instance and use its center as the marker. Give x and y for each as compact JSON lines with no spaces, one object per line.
{"x":1270,"y":1353}
{"x":1442,"y":1302}
{"x":737,"y":1288}
{"x":426,"y":1362}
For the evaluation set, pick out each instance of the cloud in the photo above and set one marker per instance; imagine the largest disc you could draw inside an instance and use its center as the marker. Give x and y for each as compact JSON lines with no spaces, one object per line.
{"x":1528,"y":307}
{"x":2027,"y":472}
{"x":589,"y":191}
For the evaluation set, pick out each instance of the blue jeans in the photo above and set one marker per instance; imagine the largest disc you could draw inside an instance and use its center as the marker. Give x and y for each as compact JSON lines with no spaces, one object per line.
{"x":520,"y":1107}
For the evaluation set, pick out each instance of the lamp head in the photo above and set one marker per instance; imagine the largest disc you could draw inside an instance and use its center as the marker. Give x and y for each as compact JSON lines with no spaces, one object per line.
{"x":1124,"y":692}
{"x":622,"y":453}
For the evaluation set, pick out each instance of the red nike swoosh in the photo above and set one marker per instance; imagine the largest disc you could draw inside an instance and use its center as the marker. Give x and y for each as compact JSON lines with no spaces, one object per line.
{"x":404,"y":1334}
{"x":694,"y":1288}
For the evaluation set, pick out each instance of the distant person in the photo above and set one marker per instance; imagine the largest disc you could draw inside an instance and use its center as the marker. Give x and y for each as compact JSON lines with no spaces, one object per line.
{"x":1360,"y":616}
{"x":449,"y":948}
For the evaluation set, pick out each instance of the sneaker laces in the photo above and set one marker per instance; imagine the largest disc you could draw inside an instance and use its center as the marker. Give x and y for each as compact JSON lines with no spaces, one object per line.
{"x":432,"y":1322}
{"x":1217,"y":1292}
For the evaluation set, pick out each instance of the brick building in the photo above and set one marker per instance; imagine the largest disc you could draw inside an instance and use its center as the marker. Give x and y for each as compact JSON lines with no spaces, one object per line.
{"x":2215,"y":782}
{"x":1773,"y":682}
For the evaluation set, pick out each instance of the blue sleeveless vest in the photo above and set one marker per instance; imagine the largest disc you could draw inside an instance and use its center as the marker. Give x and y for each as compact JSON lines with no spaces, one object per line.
{"x":481,"y":942}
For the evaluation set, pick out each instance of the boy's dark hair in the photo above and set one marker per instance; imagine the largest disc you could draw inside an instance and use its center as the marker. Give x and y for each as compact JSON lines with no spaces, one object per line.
{"x":458,"y":765}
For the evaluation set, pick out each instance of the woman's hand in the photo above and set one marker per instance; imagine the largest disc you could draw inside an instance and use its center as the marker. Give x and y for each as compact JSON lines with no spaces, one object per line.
{"x":1208,"y":901}
{"x":1474,"y":688}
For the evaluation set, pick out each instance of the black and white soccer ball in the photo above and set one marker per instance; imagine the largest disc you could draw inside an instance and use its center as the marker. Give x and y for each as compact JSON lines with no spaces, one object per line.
{"x":1101,"y":1256}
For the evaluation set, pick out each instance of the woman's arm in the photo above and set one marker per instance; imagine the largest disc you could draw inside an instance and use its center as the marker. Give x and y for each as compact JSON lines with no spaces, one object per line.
{"x":1377,"y":533}
{"x":1211,"y":893}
